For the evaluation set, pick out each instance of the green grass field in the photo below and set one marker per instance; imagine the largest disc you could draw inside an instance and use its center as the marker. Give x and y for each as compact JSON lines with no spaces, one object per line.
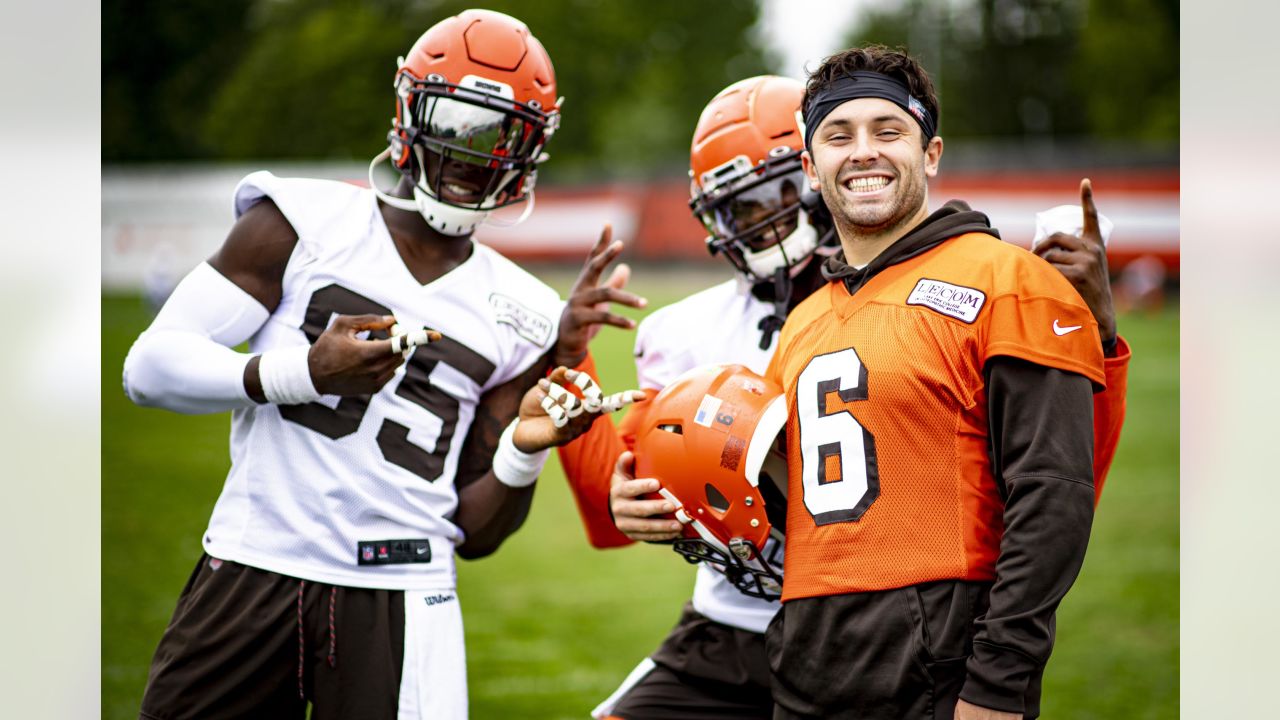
{"x":553,"y":626}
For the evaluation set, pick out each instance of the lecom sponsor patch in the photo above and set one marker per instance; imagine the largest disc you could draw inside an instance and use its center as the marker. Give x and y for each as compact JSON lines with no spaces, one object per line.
{"x":957,"y":301}
{"x":530,"y":325}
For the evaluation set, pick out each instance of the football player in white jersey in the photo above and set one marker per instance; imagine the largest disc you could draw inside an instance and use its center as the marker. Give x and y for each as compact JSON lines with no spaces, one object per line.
{"x":364,"y":455}
{"x":747,"y":189}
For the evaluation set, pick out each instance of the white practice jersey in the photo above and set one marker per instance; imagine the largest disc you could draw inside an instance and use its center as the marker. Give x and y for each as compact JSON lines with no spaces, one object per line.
{"x":359,"y":491}
{"x":716,"y":325}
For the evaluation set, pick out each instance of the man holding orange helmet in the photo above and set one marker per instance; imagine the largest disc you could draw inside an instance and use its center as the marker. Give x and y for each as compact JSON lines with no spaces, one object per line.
{"x":749,"y":190}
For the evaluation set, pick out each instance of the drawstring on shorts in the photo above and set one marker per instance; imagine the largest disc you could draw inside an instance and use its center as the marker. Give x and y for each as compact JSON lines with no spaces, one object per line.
{"x":301,"y":585}
{"x":333,"y":634}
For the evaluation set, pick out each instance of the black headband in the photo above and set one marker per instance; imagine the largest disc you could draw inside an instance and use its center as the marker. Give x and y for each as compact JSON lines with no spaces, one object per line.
{"x":864,"y":84}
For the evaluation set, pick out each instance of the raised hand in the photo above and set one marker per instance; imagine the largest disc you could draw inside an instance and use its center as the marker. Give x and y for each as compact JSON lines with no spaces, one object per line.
{"x":588,"y":305}
{"x":562,"y":406}
{"x":1083,"y":261}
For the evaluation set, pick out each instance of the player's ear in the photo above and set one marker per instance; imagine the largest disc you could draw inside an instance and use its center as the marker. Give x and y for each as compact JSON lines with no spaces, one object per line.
{"x":810,"y":172}
{"x":932,"y":156}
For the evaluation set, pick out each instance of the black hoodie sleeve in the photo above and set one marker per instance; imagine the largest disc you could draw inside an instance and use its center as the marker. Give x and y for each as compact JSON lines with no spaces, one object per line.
{"x":1041,"y":425}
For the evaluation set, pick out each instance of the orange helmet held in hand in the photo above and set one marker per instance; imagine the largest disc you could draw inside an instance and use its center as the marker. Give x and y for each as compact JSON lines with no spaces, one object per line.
{"x":709,"y":439}
{"x":475,"y":105}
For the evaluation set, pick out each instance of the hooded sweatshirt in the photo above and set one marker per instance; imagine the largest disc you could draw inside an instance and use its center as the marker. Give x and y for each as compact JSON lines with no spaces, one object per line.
{"x":1047,"y":487}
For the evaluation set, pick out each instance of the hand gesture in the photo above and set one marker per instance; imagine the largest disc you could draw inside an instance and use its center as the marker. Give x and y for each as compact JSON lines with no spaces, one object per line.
{"x":343,"y":364}
{"x":551,"y":413}
{"x":1083,"y":261}
{"x":635,"y":516}
{"x":588,"y":306}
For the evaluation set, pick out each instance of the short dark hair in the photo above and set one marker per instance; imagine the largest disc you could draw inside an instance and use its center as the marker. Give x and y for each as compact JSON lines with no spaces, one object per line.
{"x":895,"y":63}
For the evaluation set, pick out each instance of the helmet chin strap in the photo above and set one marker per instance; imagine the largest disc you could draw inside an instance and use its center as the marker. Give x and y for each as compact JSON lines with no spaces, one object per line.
{"x":773,"y":322}
{"x":395,"y":202}
{"x":528,"y":208}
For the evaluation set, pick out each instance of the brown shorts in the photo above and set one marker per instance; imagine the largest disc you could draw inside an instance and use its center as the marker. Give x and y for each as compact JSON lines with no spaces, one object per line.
{"x":702,"y":670}
{"x":891,"y":654}
{"x":247,"y":643}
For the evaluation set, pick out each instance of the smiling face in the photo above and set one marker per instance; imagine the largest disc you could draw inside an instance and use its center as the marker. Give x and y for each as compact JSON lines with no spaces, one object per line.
{"x":867,"y":159}
{"x":455,"y":180}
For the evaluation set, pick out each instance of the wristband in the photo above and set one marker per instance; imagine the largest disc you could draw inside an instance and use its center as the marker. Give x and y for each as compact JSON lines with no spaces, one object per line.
{"x":286,"y":376}
{"x":513,"y":467}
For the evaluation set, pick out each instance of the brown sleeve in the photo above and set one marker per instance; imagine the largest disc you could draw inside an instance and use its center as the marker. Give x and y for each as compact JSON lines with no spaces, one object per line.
{"x":1041,"y":425}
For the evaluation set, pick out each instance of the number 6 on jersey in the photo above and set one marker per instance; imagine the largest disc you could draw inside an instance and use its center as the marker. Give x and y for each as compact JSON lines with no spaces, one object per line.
{"x":838,"y":456}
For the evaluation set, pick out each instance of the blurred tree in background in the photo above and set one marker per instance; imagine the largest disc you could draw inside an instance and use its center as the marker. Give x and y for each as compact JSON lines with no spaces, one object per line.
{"x":243,"y":79}
{"x":249,"y":79}
{"x":1128,"y":69}
{"x":1102,"y":69}
{"x":161,"y":64}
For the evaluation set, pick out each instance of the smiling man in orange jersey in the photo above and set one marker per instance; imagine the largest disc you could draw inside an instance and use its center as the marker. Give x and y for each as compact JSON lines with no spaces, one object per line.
{"x":940,"y":440}
{"x":746,"y":169}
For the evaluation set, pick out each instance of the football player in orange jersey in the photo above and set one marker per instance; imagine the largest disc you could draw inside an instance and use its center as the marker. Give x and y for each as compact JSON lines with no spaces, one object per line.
{"x":713,"y":663}
{"x":940,"y":439}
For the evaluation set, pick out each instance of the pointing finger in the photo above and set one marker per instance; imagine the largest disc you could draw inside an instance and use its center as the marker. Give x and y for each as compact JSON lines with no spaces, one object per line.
{"x":352,"y":324}
{"x":1090,"y":210}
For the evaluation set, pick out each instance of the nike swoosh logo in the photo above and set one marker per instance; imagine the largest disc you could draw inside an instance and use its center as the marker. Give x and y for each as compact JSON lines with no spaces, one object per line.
{"x":1059,"y":330}
{"x":422,"y":551}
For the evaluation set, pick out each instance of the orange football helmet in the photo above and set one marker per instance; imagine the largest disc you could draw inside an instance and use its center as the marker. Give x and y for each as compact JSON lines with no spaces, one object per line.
{"x":709,"y":438}
{"x":475,"y":105}
{"x":747,"y":180}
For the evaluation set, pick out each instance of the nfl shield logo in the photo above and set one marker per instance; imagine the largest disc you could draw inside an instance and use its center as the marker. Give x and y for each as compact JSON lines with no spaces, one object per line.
{"x":916,"y":108}
{"x":366,"y":552}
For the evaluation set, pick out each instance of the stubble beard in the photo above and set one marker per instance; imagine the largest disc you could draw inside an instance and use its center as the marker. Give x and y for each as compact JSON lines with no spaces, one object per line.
{"x":854,"y":221}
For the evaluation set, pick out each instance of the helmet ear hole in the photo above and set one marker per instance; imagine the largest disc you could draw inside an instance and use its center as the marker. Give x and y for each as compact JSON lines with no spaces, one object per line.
{"x":716,"y":499}
{"x":673,"y":428}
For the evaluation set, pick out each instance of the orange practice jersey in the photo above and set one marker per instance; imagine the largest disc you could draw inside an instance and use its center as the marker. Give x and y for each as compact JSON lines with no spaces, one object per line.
{"x":890,"y":478}
{"x":588,"y":461}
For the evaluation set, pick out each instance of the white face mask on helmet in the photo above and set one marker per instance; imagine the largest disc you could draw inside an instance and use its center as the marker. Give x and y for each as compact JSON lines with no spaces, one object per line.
{"x":793,"y":252}
{"x":755,"y":217}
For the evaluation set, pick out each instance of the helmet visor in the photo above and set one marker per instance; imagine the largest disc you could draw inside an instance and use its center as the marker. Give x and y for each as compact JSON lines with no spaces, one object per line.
{"x":478,"y":148}
{"x":475,"y":129}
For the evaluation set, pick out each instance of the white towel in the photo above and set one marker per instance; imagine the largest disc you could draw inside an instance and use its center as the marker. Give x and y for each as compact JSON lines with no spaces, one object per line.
{"x":1067,"y":219}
